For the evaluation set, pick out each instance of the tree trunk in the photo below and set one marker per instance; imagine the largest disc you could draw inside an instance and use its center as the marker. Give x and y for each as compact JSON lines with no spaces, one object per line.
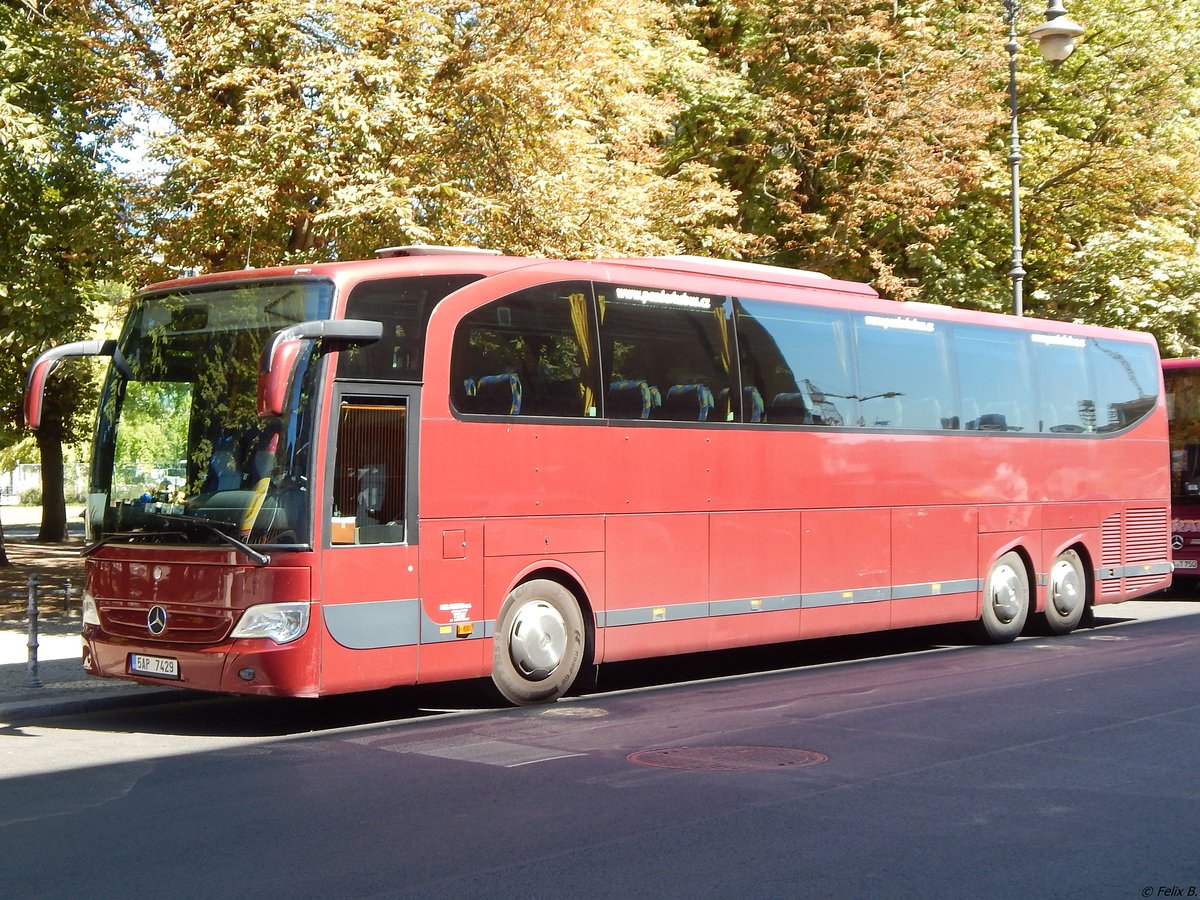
{"x":54,"y":503}
{"x":4,"y":561}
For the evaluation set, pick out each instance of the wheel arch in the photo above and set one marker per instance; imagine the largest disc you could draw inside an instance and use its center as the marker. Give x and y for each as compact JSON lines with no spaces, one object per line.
{"x":1089,"y":571}
{"x":572,"y":582}
{"x":1053,"y":620}
{"x":1018,"y":547}
{"x":1086,"y":558}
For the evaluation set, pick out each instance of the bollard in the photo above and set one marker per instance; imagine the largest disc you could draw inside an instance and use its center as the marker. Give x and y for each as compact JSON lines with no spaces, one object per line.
{"x":67,"y":597}
{"x":32,"y":680}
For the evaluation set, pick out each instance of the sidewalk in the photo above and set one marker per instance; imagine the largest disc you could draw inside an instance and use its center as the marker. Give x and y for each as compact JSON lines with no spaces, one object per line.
{"x":65,"y":689}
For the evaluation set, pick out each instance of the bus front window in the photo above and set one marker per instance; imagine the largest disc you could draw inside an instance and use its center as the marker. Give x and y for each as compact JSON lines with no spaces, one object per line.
{"x":180,"y":453}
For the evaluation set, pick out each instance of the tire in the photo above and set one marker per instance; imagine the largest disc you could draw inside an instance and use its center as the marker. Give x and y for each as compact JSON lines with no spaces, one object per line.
{"x":538,"y":647}
{"x":1067,"y":594}
{"x":1005,"y":600}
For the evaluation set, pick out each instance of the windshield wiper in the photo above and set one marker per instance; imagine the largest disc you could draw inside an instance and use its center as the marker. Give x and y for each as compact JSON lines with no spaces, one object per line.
{"x":127,"y":536}
{"x":259,"y":558}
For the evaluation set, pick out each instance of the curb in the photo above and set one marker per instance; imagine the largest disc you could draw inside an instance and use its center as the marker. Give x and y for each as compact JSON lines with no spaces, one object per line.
{"x":71,"y":706}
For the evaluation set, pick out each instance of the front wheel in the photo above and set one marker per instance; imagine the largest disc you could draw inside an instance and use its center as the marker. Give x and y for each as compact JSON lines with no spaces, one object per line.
{"x":1067,"y":597}
{"x":1005,"y":600}
{"x":538,"y":648}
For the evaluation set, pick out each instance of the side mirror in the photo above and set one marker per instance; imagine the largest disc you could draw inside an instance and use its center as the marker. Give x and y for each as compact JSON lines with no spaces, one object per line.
{"x":39,"y":372}
{"x":280,"y":355}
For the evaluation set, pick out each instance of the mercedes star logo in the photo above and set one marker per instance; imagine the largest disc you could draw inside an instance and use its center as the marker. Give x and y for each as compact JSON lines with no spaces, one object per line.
{"x":156,"y":620}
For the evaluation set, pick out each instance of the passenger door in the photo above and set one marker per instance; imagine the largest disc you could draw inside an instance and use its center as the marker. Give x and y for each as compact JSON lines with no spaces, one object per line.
{"x":368,"y":570}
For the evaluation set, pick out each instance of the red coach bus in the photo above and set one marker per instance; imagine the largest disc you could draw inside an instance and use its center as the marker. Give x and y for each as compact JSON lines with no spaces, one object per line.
{"x":446,"y":465}
{"x":1182,"y":378}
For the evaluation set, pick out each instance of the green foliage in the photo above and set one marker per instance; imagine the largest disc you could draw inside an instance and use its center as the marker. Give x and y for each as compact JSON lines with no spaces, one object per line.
{"x":154,"y":424}
{"x":870,"y":140}
{"x":58,"y":206}
{"x":1145,"y":277}
{"x":1113,"y":159}
{"x":297,"y":130}
{"x":1110,"y":171}
{"x":864,"y":138}
{"x":866,"y":124}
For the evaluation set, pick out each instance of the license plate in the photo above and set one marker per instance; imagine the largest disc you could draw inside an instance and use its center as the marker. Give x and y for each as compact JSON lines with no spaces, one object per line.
{"x":1187,"y":563}
{"x":155,"y":666}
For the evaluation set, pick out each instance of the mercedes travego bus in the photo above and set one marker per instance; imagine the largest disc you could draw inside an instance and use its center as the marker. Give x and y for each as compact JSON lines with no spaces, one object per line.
{"x":443,"y":465}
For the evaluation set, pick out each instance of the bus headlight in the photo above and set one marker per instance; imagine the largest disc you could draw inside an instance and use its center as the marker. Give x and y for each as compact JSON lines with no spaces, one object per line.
{"x":91,"y":614}
{"x":281,"y":622}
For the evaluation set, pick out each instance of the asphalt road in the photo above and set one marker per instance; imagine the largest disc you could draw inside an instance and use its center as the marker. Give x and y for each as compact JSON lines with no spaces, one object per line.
{"x":1052,"y":767}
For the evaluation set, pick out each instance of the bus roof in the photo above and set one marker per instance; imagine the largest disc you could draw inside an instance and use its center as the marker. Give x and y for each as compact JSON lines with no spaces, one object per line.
{"x":1182,"y":362}
{"x":392,"y":265}
{"x":399,"y":261}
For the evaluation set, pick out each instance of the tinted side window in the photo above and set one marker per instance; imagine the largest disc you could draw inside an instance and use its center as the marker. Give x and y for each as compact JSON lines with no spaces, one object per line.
{"x":996,"y":379}
{"x":368,"y":481}
{"x":665,"y":354}
{"x":403,"y":306}
{"x":1066,"y":400}
{"x":528,"y":354}
{"x":904,"y":374}
{"x":1126,"y":382}
{"x":795,"y":363}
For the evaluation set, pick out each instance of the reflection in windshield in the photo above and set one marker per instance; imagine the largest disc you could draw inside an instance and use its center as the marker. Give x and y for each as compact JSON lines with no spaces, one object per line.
{"x":178,"y":435}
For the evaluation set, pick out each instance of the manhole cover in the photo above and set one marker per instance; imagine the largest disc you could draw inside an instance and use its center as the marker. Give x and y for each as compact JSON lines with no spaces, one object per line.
{"x":728,"y":759}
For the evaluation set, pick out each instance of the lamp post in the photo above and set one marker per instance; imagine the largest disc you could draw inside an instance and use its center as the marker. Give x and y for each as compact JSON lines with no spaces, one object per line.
{"x":1056,"y":39}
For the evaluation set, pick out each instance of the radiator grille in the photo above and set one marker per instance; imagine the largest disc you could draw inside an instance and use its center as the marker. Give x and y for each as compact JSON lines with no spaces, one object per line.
{"x":185,"y":624}
{"x":1135,"y":582}
{"x":1145,"y":535}
{"x":1110,"y":553}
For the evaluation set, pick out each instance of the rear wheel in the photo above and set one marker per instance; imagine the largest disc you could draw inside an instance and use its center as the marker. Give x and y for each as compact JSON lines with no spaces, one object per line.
{"x":1005,"y":600}
{"x":538,"y":648}
{"x":1067,"y":597}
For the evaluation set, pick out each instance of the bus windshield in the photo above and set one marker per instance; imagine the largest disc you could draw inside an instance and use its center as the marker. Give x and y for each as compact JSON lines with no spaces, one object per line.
{"x":180,"y":452}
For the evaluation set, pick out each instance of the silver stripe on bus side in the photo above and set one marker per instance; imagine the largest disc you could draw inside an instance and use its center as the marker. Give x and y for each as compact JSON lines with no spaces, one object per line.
{"x":846,"y":598}
{"x":375,"y":624}
{"x":1157,"y":568}
{"x":747,"y":605}
{"x":1110,"y":573}
{"x":677,"y":612}
{"x":754,"y":604}
{"x":936,"y":588}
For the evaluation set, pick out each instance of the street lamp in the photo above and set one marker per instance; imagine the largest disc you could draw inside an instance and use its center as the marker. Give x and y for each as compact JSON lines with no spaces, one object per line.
{"x":1056,"y":39}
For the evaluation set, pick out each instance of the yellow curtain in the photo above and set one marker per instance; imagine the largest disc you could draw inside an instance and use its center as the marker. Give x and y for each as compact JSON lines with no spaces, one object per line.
{"x":726,"y":358}
{"x":579,"y":321}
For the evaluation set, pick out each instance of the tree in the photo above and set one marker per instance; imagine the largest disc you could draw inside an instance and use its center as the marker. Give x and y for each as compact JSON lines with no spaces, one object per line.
{"x":311,"y":129}
{"x":869,"y":139}
{"x":59,"y":210}
{"x":1114,"y":154}
{"x":1110,"y":173}
{"x":866,"y":124}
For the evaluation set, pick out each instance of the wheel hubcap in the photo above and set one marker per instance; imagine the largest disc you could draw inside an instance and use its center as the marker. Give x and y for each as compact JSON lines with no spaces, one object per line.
{"x":1005,"y":593}
{"x":1065,"y":589}
{"x":538,"y":640}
